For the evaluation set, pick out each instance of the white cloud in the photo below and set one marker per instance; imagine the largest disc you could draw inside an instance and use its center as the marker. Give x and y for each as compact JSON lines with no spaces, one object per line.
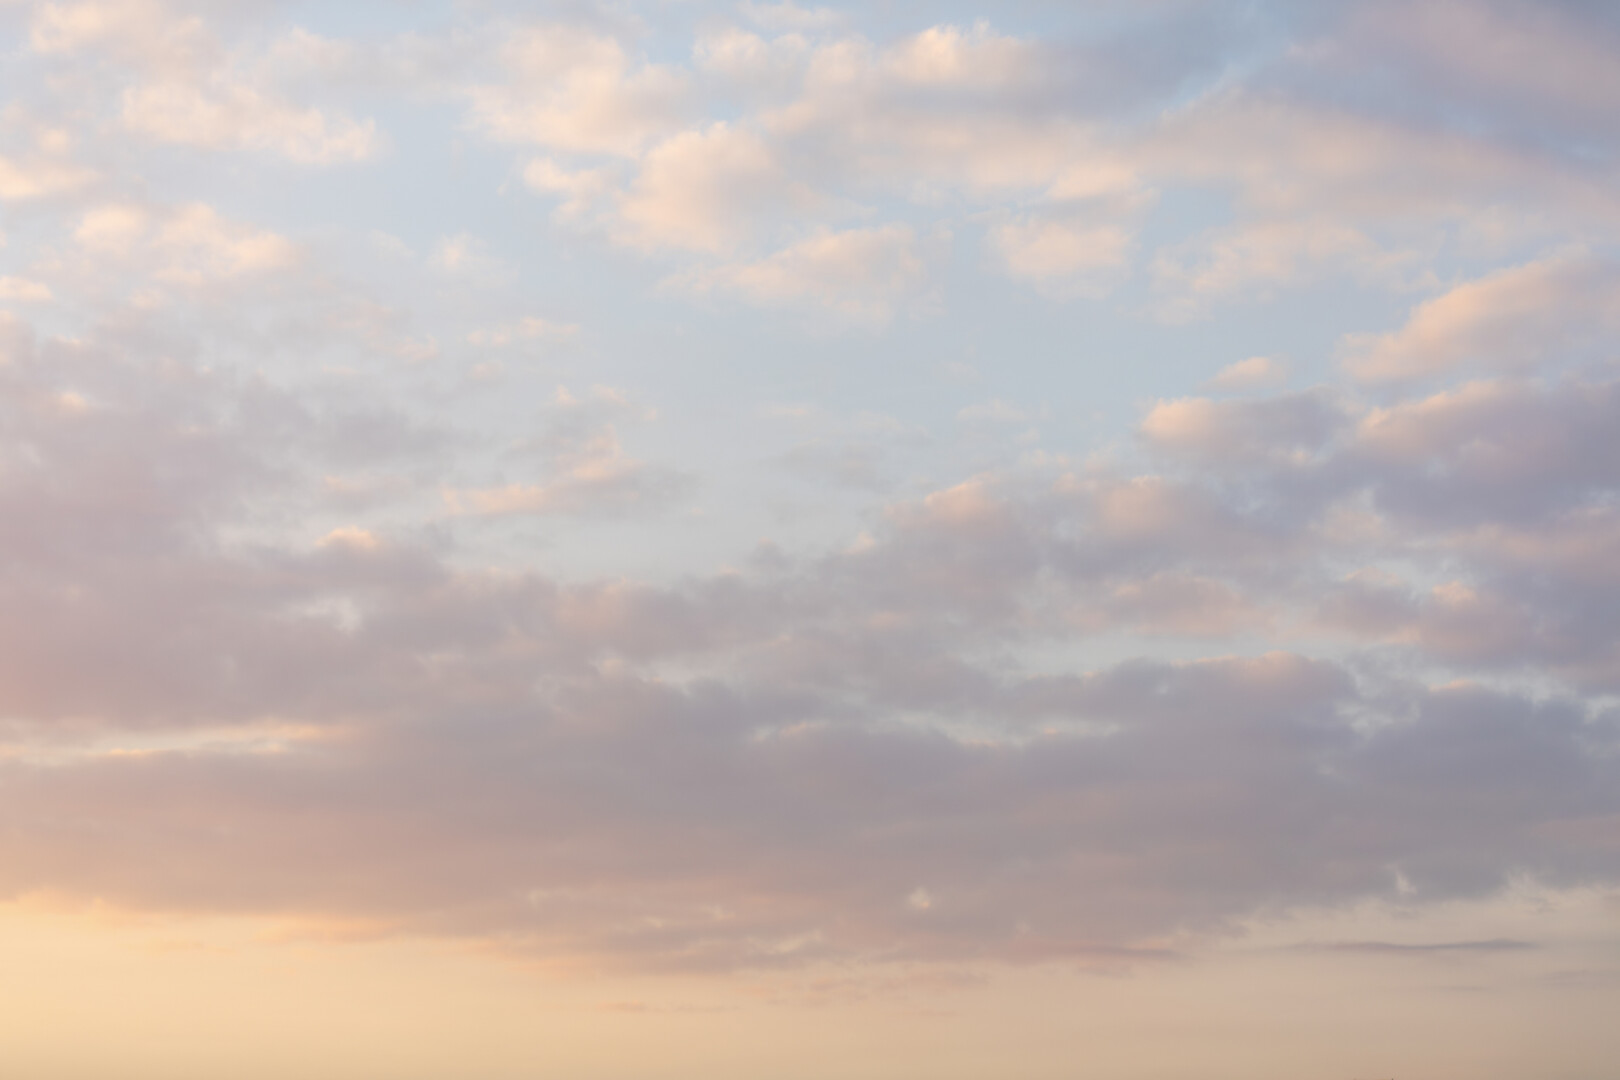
{"x":1290,"y":427}
{"x":44,"y":172}
{"x":187,"y":245}
{"x":1264,"y":256}
{"x":767,"y":68}
{"x":202,"y":243}
{"x":1554,"y":309}
{"x":571,"y":89}
{"x":112,"y":228}
{"x":823,"y":126}
{"x":1068,"y":257}
{"x":145,"y":32}
{"x":23,"y":290}
{"x":190,"y":90}
{"x":1255,"y":373}
{"x":704,"y":191}
{"x":980,"y":57}
{"x":862,"y":274}
{"x":581,"y":189}
{"x":226,"y":115}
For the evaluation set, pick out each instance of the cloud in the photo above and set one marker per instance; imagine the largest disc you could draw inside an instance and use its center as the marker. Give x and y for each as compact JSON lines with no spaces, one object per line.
{"x":274,"y":637}
{"x":1537,"y":70}
{"x":1291,"y":427}
{"x":32,"y":180}
{"x":22,"y":290}
{"x":223,"y":115}
{"x":185,"y":245}
{"x":147,"y":32}
{"x":825,"y":125}
{"x":1260,"y":257}
{"x":810,"y":836}
{"x":44,"y":170}
{"x":572,"y":89}
{"x":581,"y":189}
{"x":530,"y":328}
{"x":1257,"y":372}
{"x":586,"y":470}
{"x":947,"y":55}
{"x":704,"y":191}
{"x":1501,"y":450}
{"x":1067,"y":257}
{"x":185,"y":87}
{"x":1554,"y":309}
{"x":1294,"y":158}
{"x":757,"y":767}
{"x":766,"y":69}
{"x":861,"y":274}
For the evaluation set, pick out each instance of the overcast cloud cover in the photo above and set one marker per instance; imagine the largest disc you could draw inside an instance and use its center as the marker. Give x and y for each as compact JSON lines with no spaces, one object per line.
{"x":706,"y":487}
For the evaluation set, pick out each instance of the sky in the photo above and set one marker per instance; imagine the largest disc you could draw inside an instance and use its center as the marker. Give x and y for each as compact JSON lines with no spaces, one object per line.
{"x":610,"y":540}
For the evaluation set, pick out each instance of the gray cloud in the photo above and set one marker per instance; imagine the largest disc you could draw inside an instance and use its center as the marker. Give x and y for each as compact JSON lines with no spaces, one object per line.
{"x":762,"y":767}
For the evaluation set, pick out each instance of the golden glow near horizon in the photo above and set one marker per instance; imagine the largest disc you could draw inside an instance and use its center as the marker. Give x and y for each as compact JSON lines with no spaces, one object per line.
{"x":736,"y":539}
{"x":1347,"y":993}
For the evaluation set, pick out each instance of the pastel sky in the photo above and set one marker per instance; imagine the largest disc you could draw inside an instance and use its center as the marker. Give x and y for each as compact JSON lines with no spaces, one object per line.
{"x":733,"y":540}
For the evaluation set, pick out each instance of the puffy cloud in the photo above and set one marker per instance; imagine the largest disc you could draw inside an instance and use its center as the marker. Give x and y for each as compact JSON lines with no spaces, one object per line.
{"x":1043,"y":139}
{"x":705,"y":191}
{"x":1290,"y":427}
{"x":1556,"y":309}
{"x":144,"y":31}
{"x":1062,"y":255}
{"x":580,"y":189}
{"x":763,"y":67}
{"x":189,"y":89}
{"x":948,"y":56}
{"x":226,"y":115}
{"x":186,"y":245}
{"x":1500,"y":450}
{"x":829,"y":123}
{"x":573,"y":89}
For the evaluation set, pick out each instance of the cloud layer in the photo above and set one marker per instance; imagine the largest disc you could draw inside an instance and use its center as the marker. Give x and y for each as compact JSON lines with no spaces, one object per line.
{"x":294,"y":500}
